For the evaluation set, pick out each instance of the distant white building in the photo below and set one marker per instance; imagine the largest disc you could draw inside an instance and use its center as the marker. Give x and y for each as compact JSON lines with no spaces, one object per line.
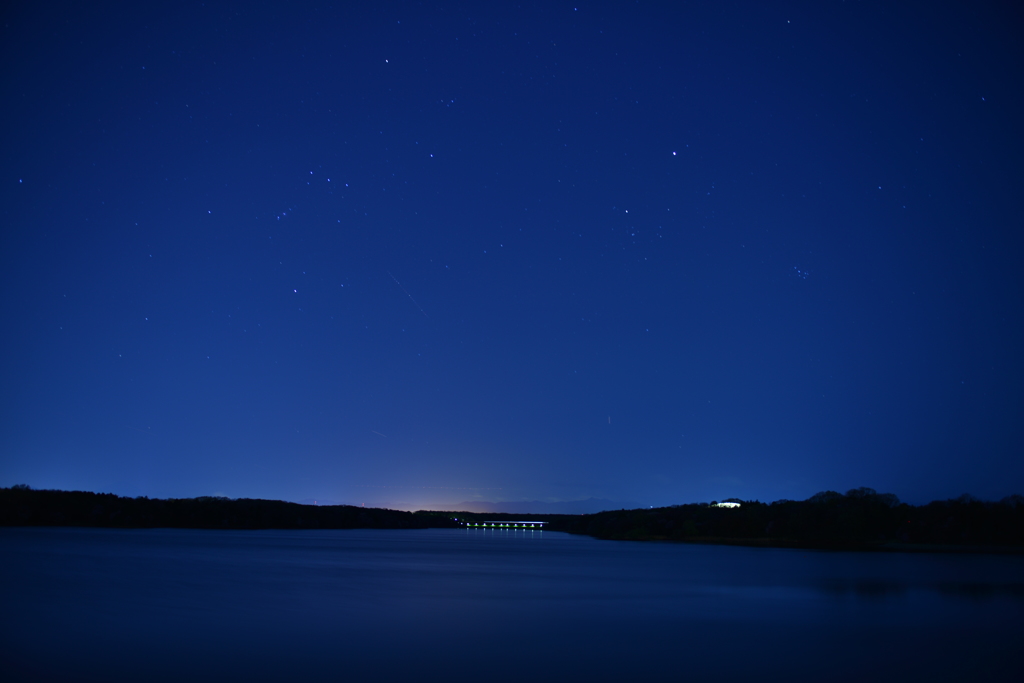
{"x":726,"y":505}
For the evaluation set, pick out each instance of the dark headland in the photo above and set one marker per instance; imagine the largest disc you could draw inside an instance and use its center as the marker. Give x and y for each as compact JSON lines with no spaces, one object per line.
{"x":861,"y":519}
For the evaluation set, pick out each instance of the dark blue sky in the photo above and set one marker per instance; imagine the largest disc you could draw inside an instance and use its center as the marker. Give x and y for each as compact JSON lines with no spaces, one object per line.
{"x":427,"y":253}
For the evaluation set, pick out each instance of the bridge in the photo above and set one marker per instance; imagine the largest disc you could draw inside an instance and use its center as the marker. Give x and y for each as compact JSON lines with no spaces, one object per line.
{"x":530,"y":526}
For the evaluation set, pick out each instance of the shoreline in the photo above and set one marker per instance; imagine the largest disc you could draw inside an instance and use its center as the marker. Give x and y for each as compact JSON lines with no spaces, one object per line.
{"x":861,"y":520}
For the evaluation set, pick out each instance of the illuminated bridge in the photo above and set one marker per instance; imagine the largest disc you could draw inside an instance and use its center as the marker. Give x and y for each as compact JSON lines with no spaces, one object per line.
{"x":534,"y":526}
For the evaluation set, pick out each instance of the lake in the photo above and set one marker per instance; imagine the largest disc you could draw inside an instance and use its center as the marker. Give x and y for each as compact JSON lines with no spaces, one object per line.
{"x":478,"y":605}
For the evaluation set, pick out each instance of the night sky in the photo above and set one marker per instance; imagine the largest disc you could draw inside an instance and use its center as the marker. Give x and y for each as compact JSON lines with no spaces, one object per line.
{"x":422,"y":253}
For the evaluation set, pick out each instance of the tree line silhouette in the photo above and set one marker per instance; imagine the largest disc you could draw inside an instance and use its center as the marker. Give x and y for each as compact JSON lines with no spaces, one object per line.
{"x":859,"y":519}
{"x":23,"y":506}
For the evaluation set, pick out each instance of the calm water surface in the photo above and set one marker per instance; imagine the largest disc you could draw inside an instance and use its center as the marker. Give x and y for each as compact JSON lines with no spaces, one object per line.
{"x":445,"y":605}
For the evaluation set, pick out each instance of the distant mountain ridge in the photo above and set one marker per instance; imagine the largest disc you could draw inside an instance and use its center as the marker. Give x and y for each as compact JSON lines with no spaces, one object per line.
{"x":569,"y":507}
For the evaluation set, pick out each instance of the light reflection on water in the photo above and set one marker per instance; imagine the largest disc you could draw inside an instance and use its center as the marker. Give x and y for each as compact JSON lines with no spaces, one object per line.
{"x":500,"y":605}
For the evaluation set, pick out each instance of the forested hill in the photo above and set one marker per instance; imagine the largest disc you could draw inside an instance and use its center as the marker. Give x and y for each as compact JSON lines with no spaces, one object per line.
{"x":22,"y":506}
{"x":861,"y":519}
